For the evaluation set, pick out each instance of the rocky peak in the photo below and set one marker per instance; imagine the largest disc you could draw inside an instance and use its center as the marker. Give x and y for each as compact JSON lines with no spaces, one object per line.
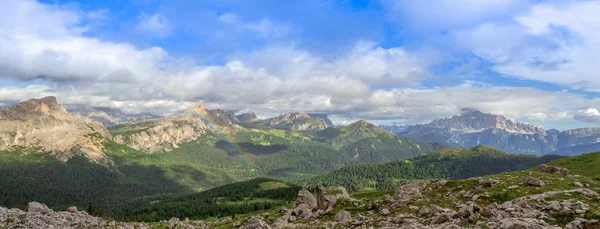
{"x":33,"y":108}
{"x":470,"y":120}
{"x":582,"y":131}
{"x":43,"y":125}
{"x":296,"y":121}
{"x":323,"y":117}
{"x":109,"y":116}
{"x":247,"y":117}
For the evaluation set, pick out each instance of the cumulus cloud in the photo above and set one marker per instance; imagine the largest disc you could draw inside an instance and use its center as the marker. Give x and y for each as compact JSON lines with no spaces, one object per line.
{"x":551,"y":42}
{"x":52,"y":49}
{"x":51,"y":46}
{"x":588,"y":115}
{"x":272,"y":77}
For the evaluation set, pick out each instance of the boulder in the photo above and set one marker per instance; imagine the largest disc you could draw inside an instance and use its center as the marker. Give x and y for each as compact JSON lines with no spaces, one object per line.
{"x":553,"y":169}
{"x":306,"y":198}
{"x":343,"y":217}
{"x":533,"y":181}
{"x":488,"y":183}
{"x":440,"y":183}
{"x":411,"y":190}
{"x":467,"y":210}
{"x":327,"y":197}
{"x":35,"y":207}
{"x":583,"y":224}
{"x":72,"y":209}
{"x":442,"y":218}
{"x":302,"y":212}
{"x":256,"y":222}
{"x":385,"y":212}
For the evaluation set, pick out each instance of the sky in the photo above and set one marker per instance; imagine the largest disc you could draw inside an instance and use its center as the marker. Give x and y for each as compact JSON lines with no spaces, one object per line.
{"x":385,"y":61}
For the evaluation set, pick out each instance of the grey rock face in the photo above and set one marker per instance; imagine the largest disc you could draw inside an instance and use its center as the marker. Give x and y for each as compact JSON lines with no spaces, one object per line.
{"x":44,"y":125}
{"x":472,"y":128}
{"x":247,"y":117}
{"x":295,"y":121}
{"x":533,"y":181}
{"x":110,"y":117}
{"x":257,"y":223}
{"x":306,"y":198}
{"x":322,"y":117}
{"x":343,"y":217}
{"x":553,"y":169}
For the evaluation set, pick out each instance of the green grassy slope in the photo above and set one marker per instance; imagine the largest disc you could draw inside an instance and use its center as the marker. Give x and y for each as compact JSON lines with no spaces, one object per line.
{"x":228,"y":200}
{"x":585,"y":164}
{"x":451,"y":163}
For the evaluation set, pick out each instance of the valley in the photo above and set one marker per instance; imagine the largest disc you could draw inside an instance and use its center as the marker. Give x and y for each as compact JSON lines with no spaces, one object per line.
{"x":217,"y":168}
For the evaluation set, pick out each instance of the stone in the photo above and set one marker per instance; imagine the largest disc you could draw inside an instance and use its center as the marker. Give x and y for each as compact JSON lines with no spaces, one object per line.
{"x":533,"y":181}
{"x":467,"y":210}
{"x":236,"y":224}
{"x":578,"y":184}
{"x":306,"y":198}
{"x":583,"y":224}
{"x":488,"y":183}
{"x":302,"y":212}
{"x":553,"y":169}
{"x":343,"y":217}
{"x":256,"y":222}
{"x":385,"y":212}
{"x":35,"y":207}
{"x":72,"y":209}
{"x":440,"y":183}
{"x":442,"y":218}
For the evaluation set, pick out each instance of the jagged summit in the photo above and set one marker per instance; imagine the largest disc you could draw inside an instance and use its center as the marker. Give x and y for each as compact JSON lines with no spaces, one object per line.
{"x":33,"y":108}
{"x":110,"y":116}
{"x":322,"y":116}
{"x":471,"y":120}
{"x":43,"y":125}
{"x":296,"y":121}
{"x":248,"y":117}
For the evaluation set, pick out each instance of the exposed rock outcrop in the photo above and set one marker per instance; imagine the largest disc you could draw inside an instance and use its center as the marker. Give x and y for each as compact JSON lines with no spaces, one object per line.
{"x":247,"y":117}
{"x":167,"y":133}
{"x":553,"y":169}
{"x":471,"y":128}
{"x":44,"y":126}
{"x":110,"y":117}
{"x":295,"y":121}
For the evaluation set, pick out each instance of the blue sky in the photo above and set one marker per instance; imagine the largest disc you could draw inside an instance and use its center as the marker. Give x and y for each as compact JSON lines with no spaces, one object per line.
{"x":385,"y":61}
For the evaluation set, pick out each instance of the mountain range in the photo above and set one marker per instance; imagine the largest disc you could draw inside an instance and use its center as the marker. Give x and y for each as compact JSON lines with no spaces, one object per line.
{"x":471,"y":128}
{"x":185,"y":153}
{"x":156,"y":168}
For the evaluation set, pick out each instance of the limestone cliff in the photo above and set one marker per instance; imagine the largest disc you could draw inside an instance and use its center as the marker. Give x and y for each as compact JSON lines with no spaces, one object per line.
{"x":44,"y":126}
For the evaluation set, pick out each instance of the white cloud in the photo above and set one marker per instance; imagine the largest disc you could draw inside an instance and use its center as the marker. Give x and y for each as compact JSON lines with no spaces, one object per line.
{"x":51,"y":46}
{"x":551,"y":42}
{"x":588,"y":115}
{"x":155,"y":24}
{"x":52,"y":49}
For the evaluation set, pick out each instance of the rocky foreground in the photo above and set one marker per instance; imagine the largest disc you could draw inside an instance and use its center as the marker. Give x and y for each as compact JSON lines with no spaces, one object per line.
{"x":548,"y":198}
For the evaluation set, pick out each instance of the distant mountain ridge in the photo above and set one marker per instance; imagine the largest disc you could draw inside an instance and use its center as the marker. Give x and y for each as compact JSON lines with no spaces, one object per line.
{"x":471,"y":128}
{"x":110,"y":117}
